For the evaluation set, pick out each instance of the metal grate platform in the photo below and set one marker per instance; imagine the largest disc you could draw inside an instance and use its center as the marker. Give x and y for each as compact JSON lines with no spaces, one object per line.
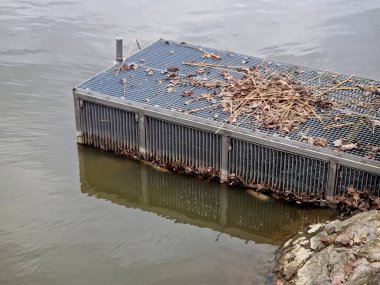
{"x":148,"y":91}
{"x":144,"y":88}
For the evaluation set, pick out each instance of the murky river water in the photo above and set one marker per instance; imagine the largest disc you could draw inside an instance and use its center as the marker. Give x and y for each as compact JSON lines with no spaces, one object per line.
{"x":72,"y":215}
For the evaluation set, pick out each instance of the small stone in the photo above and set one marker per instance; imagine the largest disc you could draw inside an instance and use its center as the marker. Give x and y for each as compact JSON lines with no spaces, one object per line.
{"x":314,"y":228}
{"x":289,"y":242}
{"x":330,"y":228}
{"x":299,"y":240}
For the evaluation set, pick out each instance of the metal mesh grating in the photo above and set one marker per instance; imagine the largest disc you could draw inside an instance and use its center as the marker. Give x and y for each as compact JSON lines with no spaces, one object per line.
{"x":108,"y":128}
{"x":170,"y":142}
{"x":361,"y":180}
{"x":287,"y":171}
{"x":146,"y":88}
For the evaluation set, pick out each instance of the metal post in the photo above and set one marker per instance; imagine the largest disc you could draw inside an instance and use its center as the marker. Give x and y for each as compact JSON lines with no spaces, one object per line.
{"x":119,"y":49}
{"x":333,"y":167}
{"x":224,"y":159}
{"x":77,"y":107}
{"x":141,"y":122}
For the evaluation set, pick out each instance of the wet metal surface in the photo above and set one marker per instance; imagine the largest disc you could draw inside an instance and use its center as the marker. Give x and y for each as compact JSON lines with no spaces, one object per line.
{"x":58,"y":225}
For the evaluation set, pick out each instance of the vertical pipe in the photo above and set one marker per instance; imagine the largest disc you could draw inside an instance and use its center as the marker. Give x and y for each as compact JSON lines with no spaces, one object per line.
{"x":119,"y":49}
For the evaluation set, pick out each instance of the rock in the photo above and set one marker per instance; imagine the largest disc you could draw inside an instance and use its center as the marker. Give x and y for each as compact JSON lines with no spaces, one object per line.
{"x":371,"y":250}
{"x":340,"y":252}
{"x":314,"y":271}
{"x":299,"y":240}
{"x":344,"y":239}
{"x":290,"y":269}
{"x":330,"y":228}
{"x":319,"y":241}
{"x":314,"y":228}
{"x":289,"y":242}
{"x":364,"y":274}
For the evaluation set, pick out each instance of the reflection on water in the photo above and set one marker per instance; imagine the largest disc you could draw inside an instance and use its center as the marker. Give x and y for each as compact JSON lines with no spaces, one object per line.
{"x":192,"y":200}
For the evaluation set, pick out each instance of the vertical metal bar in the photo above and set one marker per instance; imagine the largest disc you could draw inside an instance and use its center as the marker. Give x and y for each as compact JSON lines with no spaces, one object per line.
{"x":333,"y":166}
{"x":142,"y":146}
{"x":224,"y":159}
{"x":119,"y":49}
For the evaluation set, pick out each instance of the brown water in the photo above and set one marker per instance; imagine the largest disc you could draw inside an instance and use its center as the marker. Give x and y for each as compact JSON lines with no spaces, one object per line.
{"x":72,"y":215}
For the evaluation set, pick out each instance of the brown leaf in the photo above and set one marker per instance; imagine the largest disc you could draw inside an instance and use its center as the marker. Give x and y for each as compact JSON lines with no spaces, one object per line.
{"x":209,"y":85}
{"x":320,"y":142}
{"x":338,"y":142}
{"x":350,"y":146}
{"x":210,"y":55}
{"x":187,"y":93}
{"x":149,"y":71}
{"x":172,"y":69}
{"x":344,"y":146}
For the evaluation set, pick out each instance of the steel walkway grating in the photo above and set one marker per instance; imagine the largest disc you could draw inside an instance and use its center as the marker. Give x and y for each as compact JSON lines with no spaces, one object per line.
{"x":141,"y":119}
{"x":150,"y":89}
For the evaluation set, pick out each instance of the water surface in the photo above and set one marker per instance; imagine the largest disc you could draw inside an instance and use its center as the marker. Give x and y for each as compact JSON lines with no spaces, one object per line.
{"x":73,"y":215}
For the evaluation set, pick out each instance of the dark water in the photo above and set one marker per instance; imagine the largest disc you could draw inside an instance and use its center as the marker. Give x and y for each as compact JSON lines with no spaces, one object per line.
{"x":72,"y":215}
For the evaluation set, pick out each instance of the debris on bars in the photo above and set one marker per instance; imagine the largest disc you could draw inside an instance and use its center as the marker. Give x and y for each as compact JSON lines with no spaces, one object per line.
{"x":211,"y":55}
{"x":204,"y":172}
{"x":275,"y":100}
{"x":317,"y":141}
{"x":277,"y":193}
{"x":355,"y":200}
{"x":344,"y":146}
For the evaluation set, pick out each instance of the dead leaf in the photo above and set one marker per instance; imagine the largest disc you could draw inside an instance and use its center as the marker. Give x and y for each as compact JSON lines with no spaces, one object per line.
{"x":209,"y":85}
{"x":149,"y":71}
{"x":172,"y":69}
{"x":375,"y":123}
{"x":320,"y":142}
{"x":338,"y":142}
{"x":211,"y":55}
{"x":350,"y":146}
{"x":187,"y":93}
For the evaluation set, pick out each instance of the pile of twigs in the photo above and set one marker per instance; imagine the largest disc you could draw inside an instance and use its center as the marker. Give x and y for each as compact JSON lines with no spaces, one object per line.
{"x":274,"y":100}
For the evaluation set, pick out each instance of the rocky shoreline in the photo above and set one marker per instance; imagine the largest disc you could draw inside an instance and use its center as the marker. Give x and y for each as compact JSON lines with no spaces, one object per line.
{"x":338,"y":252}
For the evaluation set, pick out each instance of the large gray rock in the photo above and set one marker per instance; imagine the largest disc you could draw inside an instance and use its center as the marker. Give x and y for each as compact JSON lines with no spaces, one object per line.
{"x":340,"y":252}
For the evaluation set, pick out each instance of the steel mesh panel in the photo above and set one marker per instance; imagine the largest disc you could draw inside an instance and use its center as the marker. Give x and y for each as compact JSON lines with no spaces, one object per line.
{"x":170,"y":142}
{"x":146,"y":88}
{"x":361,"y":180}
{"x":287,"y":171}
{"x":108,"y":128}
